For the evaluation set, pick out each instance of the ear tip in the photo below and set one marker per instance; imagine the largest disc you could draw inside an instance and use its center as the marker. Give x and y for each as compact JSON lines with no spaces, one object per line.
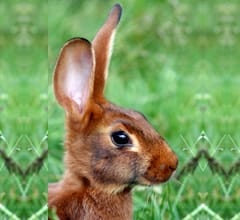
{"x":75,"y":45}
{"x":117,"y":8}
{"x":78,"y":40}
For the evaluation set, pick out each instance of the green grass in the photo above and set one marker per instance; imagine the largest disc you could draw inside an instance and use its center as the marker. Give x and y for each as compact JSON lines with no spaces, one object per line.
{"x":23,"y":105}
{"x":175,"y":61}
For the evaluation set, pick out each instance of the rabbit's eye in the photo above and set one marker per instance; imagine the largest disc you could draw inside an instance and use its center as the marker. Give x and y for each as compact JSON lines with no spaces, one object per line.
{"x":121,"y":139}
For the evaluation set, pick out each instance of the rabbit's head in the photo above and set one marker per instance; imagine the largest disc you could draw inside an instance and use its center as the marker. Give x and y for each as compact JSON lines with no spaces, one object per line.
{"x":106,"y":146}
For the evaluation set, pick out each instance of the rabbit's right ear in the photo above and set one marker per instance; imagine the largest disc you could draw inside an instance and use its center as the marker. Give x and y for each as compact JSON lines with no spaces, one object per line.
{"x":102,"y":44}
{"x":74,"y":76}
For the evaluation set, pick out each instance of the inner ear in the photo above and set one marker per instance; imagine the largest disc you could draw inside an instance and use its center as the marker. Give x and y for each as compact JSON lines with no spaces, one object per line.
{"x":74,"y":76}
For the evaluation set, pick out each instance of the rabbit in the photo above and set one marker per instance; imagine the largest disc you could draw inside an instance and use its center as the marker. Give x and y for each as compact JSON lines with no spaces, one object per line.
{"x":108,"y":149}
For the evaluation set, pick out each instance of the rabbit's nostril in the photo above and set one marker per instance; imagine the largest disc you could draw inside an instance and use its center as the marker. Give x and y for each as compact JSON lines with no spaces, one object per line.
{"x":166,"y":167}
{"x":174,"y":166}
{"x":169,"y":167}
{"x":162,"y":167}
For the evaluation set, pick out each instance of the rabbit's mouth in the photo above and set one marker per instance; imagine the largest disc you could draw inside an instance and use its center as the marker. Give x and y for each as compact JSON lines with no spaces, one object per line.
{"x":162,"y":165}
{"x":147,"y":180}
{"x":153,"y":180}
{"x":154,"y":174}
{"x":157,"y":176}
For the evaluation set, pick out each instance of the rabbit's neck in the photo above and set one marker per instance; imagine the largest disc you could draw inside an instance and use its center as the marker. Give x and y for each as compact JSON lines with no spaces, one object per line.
{"x":89,"y":203}
{"x":111,"y":206}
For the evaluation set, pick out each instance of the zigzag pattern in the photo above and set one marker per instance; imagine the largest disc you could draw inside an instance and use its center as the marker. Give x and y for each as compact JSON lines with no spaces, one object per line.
{"x":34,"y":167}
{"x":214,"y":165}
{"x":15,"y":168}
{"x":23,"y":175}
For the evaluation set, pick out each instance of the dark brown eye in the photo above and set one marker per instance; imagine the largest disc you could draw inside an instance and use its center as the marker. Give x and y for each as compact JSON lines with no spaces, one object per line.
{"x":121,"y":139}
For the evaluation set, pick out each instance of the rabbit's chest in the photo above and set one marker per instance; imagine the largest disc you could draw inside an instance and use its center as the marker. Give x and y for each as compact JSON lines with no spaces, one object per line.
{"x":106,"y":207}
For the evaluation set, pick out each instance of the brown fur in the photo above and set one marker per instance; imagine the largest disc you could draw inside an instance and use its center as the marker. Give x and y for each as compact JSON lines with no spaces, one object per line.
{"x":99,"y":177}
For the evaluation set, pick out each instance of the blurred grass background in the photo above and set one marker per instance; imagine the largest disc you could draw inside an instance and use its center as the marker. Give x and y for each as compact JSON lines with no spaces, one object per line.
{"x":178,"y":63}
{"x":23,"y":105}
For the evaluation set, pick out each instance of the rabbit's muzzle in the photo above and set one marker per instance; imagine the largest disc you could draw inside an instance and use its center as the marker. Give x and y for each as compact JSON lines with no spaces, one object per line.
{"x":162,"y":166}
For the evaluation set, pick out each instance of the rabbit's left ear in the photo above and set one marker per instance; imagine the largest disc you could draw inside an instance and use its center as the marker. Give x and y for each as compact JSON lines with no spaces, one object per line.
{"x":74,"y":77}
{"x":102,"y":45}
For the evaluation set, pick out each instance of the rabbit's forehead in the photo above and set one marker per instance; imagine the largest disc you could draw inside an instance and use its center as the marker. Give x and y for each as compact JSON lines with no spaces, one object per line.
{"x":131,"y":121}
{"x":124,"y":117}
{"x":115,"y":111}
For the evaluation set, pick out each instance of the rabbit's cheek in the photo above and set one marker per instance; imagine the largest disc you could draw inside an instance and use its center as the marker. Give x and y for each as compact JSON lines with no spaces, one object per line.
{"x":114,"y":166}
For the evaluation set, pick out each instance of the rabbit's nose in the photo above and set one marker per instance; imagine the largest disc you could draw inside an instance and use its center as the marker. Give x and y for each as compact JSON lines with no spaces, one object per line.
{"x":167,"y":167}
{"x":171,"y":166}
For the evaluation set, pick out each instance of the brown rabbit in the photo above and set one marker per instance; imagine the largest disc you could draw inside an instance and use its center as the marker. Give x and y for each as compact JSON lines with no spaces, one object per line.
{"x":108,"y":149}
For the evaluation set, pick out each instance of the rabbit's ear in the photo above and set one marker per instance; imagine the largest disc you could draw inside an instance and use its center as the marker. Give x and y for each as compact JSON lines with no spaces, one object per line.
{"x":102,"y":45}
{"x":74,"y":76}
